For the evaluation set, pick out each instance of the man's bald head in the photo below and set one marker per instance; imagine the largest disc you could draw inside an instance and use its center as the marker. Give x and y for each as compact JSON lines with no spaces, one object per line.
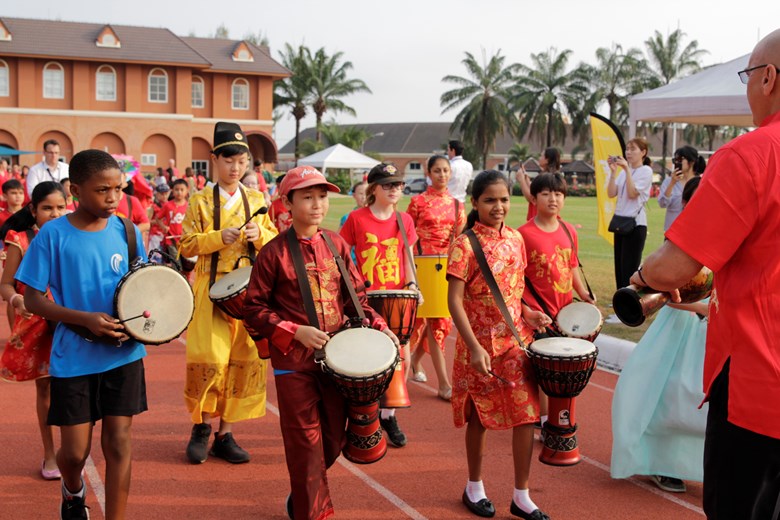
{"x":763,"y":90}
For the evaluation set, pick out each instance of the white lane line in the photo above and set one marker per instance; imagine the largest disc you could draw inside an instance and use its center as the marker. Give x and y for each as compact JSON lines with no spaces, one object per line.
{"x":95,"y":483}
{"x":601,"y":387}
{"x":639,"y":483}
{"x":370,"y":482}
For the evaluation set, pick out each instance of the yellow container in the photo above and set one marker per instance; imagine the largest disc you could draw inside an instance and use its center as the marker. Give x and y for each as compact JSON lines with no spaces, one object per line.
{"x":432,"y":279}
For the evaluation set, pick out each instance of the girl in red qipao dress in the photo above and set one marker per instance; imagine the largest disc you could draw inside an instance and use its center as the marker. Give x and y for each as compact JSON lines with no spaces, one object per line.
{"x":382,"y":256}
{"x":26,"y":355}
{"x":494,"y":386}
{"x":438,"y":219}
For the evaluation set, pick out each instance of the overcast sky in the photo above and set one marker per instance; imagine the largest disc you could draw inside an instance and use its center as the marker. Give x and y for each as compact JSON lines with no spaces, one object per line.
{"x":402,"y":48}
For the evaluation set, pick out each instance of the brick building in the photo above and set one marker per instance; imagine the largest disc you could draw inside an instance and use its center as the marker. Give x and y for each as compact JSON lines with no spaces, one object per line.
{"x":141,"y":91}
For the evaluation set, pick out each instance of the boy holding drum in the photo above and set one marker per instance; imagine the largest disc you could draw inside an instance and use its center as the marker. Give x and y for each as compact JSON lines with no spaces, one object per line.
{"x":82,"y":257}
{"x":225,"y":376}
{"x":312,"y":411}
{"x":551,"y":247}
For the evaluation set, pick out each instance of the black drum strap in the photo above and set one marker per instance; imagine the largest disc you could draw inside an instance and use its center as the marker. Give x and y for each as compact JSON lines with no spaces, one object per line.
{"x":579,"y":261}
{"x":248,"y":214}
{"x":407,"y":248}
{"x":132,"y":245}
{"x":215,"y":226}
{"x":303,"y":278}
{"x":345,"y":275}
{"x":479,"y":254}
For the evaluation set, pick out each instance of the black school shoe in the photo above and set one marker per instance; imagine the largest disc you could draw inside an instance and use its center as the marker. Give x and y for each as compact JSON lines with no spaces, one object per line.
{"x":197,"y":448}
{"x":394,"y":433}
{"x":483,"y":508}
{"x":226,"y":448}
{"x":289,"y":507}
{"x":537,"y":514}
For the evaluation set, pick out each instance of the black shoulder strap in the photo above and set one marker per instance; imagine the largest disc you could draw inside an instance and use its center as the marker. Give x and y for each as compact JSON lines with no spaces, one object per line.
{"x":345,"y":277}
{"x":216,"y":226}
{"x":579,"y":260}
{"x":407,"y":248}
{"x":132,"y":245}
{"x":248,"y":216}
{"x":303,"y":278}
{"x":479,"y":254}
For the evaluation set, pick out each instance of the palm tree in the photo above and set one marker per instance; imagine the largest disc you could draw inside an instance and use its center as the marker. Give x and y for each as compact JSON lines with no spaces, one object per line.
{"x":546,"y":96}
{"x":295,"y":91}
{"x":329,"y":83}
{"x":486,"y":113}
{"x":518,"y":154}
{"x":671,"y":59}
{"x":616,"y":76}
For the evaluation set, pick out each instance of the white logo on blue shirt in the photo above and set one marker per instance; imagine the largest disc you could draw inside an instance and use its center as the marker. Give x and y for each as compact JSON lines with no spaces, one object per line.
{"x":116,"y":263}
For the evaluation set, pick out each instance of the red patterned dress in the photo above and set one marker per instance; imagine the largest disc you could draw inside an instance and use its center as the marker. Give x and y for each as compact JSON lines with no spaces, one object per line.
{"x":498,"y":405}
{"x":436,"y":222}
{"x":26,"y":355}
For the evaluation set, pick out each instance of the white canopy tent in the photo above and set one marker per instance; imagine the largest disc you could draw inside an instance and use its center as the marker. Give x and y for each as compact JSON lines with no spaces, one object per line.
{"x":714,"y":96}
{"x":338,"y":156}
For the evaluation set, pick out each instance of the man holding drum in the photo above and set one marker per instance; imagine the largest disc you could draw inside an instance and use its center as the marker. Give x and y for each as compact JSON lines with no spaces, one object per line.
{"x":222,"y":227}
{"x":732,"y":226}
{"x":312,"y":411}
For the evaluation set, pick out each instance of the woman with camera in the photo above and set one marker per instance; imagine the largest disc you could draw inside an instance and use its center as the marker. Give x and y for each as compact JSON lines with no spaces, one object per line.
{"x":687,"y":165}
{"x":630,"y":179}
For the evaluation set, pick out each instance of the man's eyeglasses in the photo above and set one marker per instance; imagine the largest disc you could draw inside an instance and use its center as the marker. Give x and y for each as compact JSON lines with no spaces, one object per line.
{"x":744,"y":75}
{"x":393,"y":186}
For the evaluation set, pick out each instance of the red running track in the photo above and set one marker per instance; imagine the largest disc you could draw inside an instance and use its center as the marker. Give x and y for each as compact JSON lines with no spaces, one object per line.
{"x":424,"y":480}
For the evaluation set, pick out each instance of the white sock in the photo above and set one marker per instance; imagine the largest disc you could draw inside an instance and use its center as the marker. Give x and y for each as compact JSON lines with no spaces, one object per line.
{"x":386,"y":413}
{"x":475,"y":491}
{"x":68,"y":494}
{"x":523,"y":501}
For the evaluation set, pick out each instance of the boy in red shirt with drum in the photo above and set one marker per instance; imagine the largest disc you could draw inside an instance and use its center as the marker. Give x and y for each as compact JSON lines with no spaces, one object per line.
{"x":312,"y":411}
{"x":553,"y":262}
{"x":172,"y":215}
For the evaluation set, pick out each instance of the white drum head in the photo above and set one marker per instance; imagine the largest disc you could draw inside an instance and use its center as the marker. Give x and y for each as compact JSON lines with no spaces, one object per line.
{"x":563,"y":347}
{"x":360,"y":352}
{"x":230,"y":284}
{"x":579,"y":319}
{"x":163,"y":292}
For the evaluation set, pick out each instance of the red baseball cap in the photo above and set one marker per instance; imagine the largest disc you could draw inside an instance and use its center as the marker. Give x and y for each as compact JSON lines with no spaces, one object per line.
{"x":305,"y":177}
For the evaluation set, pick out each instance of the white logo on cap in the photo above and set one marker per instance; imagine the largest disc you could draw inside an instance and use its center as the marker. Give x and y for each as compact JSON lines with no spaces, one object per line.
{"x":239,"y":136}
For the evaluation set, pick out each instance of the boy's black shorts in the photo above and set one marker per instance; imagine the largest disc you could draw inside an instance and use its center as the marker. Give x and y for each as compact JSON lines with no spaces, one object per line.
{"x":87,"y":399}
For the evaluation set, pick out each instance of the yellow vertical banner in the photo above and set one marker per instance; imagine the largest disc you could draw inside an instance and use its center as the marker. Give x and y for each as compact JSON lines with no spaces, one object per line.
{"x":607,"y":140}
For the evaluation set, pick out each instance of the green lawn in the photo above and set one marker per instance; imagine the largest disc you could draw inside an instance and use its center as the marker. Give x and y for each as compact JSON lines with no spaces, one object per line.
{"x":595,"y":252}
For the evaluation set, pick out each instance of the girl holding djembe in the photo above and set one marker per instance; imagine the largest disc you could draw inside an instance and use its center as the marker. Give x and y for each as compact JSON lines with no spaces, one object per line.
{"x":438,"y":219}
{"x":494,"y":385}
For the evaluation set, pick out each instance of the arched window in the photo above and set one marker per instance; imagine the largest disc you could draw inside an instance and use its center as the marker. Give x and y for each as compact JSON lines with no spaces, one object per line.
{"x":5,"y":81}
{"x":53,"y":81}
{"x":158,"y":86}
{"x":105,"y":83}
{"x":198,"y":92}
{"x":240,"y":94}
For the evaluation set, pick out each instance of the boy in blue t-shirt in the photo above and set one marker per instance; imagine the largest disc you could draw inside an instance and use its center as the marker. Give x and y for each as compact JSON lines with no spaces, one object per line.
{"x":82,"y":257}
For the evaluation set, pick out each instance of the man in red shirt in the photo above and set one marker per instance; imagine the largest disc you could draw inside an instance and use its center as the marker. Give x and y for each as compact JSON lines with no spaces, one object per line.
{"x":732,"y":226}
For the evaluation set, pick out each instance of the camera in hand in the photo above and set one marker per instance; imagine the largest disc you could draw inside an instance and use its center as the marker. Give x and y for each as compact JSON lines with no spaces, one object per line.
{"x":677,"y":164}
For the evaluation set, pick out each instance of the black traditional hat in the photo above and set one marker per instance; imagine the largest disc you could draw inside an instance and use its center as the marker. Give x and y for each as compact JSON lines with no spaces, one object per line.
{"x":228,"y":134}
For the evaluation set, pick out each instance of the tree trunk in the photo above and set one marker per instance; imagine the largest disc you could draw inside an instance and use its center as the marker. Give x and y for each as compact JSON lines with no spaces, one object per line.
{"x":318,"y":133}
{"x":297,"y":138}
{"x":549,"y":126}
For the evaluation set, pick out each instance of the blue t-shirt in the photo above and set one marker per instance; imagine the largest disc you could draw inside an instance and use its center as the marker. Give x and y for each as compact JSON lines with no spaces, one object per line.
{"x":82,"y":269}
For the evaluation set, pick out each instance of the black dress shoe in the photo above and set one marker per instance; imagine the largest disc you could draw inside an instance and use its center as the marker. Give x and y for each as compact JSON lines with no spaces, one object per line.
{"x":537,"y":514}
{"x":482,"y":508}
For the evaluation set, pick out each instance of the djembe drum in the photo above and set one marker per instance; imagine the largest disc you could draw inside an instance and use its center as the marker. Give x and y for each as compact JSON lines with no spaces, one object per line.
{"x":361,"y":362}
{"x":399,"y":309}
{"x":579,"y":320}
{"x":563,"y":367}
